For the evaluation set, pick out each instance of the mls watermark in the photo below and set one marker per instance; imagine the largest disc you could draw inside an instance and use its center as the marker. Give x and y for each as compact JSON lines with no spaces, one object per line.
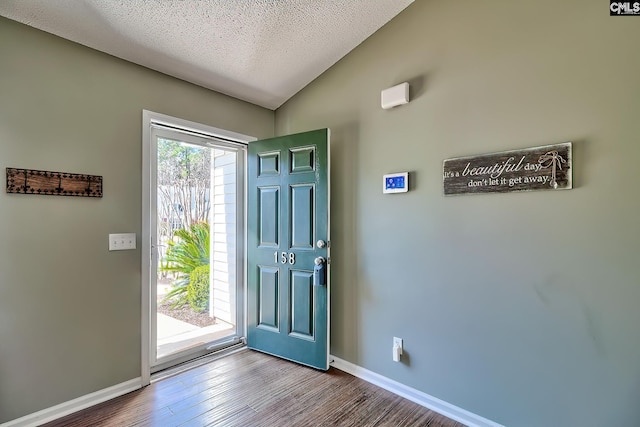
{"x":622,"y":8}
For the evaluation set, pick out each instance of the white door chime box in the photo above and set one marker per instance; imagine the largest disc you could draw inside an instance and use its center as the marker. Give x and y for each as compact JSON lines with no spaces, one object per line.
{"x":394,"y":96}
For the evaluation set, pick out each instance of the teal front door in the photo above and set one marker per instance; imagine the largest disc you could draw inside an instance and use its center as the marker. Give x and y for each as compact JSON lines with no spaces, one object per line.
{"x":287,"y":254}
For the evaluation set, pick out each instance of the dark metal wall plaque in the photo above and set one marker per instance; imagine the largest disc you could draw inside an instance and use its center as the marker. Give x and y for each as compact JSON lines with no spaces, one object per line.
{"x":28,"y":181}
{"x":540,"y":168}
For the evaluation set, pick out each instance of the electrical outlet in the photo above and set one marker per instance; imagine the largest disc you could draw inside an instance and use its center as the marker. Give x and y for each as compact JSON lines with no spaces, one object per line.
{"x":122,"y":241}
{"x":397,"y":349}
{"x":397,"y":342}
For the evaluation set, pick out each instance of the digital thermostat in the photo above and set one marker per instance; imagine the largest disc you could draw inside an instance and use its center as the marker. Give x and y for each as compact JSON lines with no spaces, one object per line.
{"x":396,"y":183}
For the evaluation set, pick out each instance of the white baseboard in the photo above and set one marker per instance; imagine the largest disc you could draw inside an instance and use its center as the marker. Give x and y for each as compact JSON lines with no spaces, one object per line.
{"x":75,"y":405}
{"x":440,"y":406}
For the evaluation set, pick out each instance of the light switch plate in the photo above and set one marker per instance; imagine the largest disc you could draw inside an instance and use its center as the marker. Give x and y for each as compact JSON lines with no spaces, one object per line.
{"x":395,"y":183}
{"x":122,"y":241}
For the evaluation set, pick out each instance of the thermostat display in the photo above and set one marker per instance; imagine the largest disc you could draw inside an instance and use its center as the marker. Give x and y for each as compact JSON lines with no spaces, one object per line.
{"x":396,"y":183}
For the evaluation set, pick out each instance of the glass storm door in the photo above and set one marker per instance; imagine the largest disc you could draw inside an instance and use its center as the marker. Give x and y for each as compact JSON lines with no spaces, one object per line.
{"x":197,"y":233}
{"x":288,"y":235}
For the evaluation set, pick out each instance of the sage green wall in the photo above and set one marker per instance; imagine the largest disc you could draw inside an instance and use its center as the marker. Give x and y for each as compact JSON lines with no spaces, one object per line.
{"x":522,"y":308}
{"x":69,"y":309}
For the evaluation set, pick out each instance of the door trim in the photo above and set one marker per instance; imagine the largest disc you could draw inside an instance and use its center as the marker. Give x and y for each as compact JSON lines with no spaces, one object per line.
{"x":329,"y":243}
{"x":150,"y":118}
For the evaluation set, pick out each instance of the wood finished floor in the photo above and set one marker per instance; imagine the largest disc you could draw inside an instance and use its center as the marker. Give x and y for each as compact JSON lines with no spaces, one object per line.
{"x":250,"y":389}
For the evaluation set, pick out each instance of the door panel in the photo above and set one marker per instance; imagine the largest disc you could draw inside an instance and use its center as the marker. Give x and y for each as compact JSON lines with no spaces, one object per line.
{"x":269,"y":164}
{"x":302,"y":216}
{"x":288,"y":211}
{"x":268,"y":289}
{"x":302,"y":159}
{"x":301,"y":304}
{"x":269,"y":216}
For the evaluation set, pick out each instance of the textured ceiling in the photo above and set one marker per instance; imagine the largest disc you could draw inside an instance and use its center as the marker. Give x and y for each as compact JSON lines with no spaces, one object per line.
{"x":262,"y":51}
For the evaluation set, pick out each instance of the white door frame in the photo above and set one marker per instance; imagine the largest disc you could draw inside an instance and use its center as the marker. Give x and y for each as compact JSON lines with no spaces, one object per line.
{"x":150,"y":118}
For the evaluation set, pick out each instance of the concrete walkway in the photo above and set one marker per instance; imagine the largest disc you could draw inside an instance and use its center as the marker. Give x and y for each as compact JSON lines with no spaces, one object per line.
{"x":175,"y":335}
{"x":186,"y":336}
{"x":169,"y":327}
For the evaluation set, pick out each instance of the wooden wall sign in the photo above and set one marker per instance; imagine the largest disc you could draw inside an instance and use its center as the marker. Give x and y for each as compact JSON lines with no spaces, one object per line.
{"x":540,"y":168}
{"x":28,"y":181}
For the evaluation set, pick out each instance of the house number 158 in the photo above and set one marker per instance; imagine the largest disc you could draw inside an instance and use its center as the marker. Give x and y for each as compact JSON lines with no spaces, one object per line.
{"x":285,"y":257}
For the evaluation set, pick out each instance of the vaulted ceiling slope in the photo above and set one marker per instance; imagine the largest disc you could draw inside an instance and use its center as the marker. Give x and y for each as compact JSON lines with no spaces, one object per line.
{"x":261,"y":51}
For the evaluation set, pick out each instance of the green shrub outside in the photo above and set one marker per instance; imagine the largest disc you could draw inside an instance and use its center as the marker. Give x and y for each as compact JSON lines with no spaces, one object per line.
{"x":198,"y":288}
{"x":187,"y":251}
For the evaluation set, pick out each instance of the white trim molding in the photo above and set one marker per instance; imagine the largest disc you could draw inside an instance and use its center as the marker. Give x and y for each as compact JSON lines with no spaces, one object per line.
{"x":423,"y":399}
{"x":150,"y":121}
{"x":75,"y":405}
